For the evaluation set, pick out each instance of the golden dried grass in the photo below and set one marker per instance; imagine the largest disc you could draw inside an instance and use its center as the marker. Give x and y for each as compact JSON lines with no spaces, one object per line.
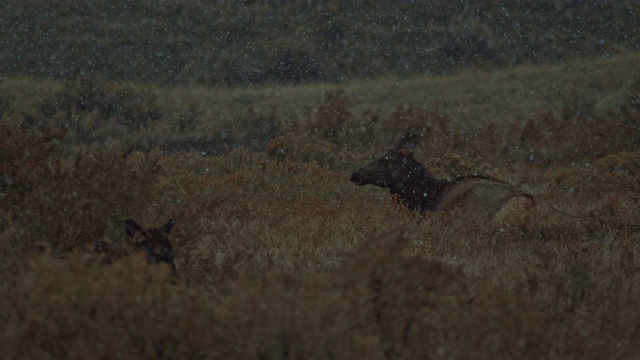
{"x":280,"y":256}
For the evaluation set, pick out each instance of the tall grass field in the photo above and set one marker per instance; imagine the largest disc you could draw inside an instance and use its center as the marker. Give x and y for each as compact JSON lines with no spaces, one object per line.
{"x":279,"y":255}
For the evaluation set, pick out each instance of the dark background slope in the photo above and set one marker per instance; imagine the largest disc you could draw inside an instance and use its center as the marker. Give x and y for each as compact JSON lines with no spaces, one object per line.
{"x":221,"y":43}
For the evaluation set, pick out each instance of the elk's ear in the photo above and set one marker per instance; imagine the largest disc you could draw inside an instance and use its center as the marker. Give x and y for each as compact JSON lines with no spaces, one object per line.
{"x":132,"y":227}
{"x":166,"y":229}
{"x":407,"y":144}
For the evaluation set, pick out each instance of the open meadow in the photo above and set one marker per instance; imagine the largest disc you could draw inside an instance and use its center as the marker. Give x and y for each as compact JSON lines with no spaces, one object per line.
{"x":279,"y":255}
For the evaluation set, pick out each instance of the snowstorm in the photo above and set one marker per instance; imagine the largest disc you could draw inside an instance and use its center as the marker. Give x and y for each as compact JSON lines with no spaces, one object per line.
{"x":216,"y":179}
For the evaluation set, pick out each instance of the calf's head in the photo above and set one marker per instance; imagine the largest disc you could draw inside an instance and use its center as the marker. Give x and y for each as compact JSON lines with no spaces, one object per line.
{"x":393,"y":168}
{"x":154,"y":240}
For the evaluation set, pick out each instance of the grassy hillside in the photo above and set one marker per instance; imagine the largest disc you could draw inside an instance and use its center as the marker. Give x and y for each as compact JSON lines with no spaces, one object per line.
{"x":242,"y":42}
{"x":280,"y":256}
{"x":458,"y":113}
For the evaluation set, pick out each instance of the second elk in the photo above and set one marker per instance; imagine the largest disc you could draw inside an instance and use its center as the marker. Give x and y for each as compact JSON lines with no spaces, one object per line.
{"x":480,"y":197}
{"x":155,"y":241}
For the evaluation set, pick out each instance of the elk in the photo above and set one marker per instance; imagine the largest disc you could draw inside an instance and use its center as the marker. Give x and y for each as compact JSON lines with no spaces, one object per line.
{"x":155,"y":241}
{"x":483,"y":197}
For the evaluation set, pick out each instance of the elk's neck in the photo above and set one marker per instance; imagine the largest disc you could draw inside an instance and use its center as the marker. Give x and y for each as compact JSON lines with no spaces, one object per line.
{"x":419,"y":190}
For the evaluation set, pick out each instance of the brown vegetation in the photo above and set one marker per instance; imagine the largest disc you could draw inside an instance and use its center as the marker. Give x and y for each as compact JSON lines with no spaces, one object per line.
{"x":281,"y":256}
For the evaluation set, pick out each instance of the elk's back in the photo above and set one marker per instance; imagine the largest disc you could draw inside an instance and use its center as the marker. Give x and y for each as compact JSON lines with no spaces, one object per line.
{"x":489,"y":200}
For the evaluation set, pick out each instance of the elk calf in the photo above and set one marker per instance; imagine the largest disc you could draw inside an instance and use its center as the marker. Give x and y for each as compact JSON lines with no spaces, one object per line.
{"x":155,"y":241}
{"x":481,"y":197}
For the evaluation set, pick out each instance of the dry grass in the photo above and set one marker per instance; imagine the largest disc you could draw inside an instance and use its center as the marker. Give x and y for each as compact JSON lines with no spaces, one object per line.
{"x":279,"y":256}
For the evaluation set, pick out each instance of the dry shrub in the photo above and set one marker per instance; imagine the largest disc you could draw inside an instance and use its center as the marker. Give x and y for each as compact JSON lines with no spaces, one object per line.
{"x":94,"y":193}
{"x":560,"y":276}
{"x":7,"y":101}
{"x":382,"y":305}
{"x":282,"y":147}
{"x":435,"y":128}
{"x":580,"y":139}
{"x":580,"y":135}
{"x":630,"y":110}
{"x":93,"y":110}
{"x":332,"y":119}
{"x":25,"y":160}
{"x":280,"y":315}
{"x":189,"y":118}
{"x":577,"y":192}
{"x":334,"y":123}
{"x":253,"y":130}
{"x":133,"y":108}
{"x":402,"y":293}
{"x":452,"y":165}
{"x":74,"y":308}
{"x":627,"y":163}
{"x":589,"y":288}
{"x":320,"y":152}
{"x":68,"y":203}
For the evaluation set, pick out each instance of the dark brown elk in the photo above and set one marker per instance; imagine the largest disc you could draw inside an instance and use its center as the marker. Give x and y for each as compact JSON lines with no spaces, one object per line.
{"x":155,"y":241}
{"x":483,"y":197}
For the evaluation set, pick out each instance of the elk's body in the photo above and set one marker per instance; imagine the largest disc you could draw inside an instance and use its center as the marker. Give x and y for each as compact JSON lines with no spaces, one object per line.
{"x":155,"y":241}
{"x":481,"y":197}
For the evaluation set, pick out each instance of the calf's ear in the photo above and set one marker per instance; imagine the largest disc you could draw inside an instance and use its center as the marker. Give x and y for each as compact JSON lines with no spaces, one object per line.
{"x":408,"y":144}
{"x":166,"y":229}
{"x":132,"y":227}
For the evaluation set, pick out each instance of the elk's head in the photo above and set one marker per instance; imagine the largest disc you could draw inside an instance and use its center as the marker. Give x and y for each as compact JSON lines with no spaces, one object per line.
{"x":154,"y":240}
{"x":393,"y":167}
